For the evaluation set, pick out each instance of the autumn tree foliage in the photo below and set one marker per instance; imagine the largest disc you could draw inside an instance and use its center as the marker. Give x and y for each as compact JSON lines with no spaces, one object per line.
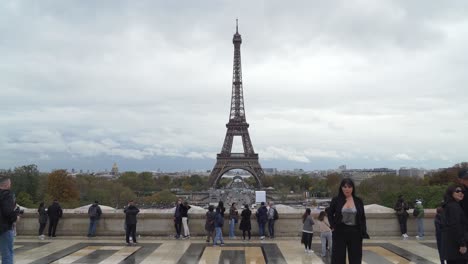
{"x":62,"y":187}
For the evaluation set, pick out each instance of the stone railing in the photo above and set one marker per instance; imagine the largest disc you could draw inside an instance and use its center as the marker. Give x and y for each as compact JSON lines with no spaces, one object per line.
{"x":156,"y":223}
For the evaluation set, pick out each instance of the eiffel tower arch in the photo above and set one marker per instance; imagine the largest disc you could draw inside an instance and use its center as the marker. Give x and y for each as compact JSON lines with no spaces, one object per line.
{"x":237,"y":126}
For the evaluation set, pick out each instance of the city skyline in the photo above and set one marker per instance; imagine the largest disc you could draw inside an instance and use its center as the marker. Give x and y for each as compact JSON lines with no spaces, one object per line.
{"x":148,"y":84}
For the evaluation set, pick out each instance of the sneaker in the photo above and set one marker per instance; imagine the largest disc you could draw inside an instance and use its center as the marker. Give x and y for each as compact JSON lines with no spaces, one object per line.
{"x":222,"y":244}
{"x":262,"y":237}
{"x":405,"y":235}
{"x":311,"y":251}
{"x":419,"y":237}
{"x":306,"y":251}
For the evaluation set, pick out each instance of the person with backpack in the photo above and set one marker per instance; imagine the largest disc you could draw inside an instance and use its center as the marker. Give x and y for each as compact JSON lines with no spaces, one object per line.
{"x":418,"y":212}
{"x":245,"y":224}
{"x":94,"y":213}
{"x":272,"y":217}
{"x":209,"y":223}
{"x":454,"y":226}
{"x":218,"y":224}
{"x":54,"y":212}
{"x":8,"y":216}
{"x":401,"y":208}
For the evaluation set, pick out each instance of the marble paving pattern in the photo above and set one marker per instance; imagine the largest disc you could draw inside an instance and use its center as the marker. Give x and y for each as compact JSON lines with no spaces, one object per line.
{"x":196,"y":251}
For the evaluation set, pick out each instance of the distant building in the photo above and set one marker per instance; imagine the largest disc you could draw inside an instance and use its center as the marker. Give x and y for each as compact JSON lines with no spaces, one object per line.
{"x":270,"y":171}
{"x":411,"y":172}
{"x":115,"y":170}
{"x":362,"y":174}
{"x":342,"y":168}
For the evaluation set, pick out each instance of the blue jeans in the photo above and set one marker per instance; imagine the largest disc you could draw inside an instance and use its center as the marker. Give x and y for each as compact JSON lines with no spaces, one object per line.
{"x":232,"y":227}
{"x":218,"y":236}
{"x":420,"y":223}
{"x":261,"y":228}
{"x":6,"y":247}
{"x":324,"y":238}
{"x":92,"y":226}
{"x":271,"y":227}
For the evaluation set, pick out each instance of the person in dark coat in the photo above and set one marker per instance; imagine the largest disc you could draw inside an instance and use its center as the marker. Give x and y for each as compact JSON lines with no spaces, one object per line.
{"x":401,"y":208}
{"x":348,"y":222}
{"x":54,"y":212}
{"x":245,"y":224}
{"x":262,"y":219}
{"x":438,"y":230}
{"x":131,"y":212}
{"x":178,"y":218}
{"x":209,"y":223}
{"x":454,"y":226}
{"x":94,"y":213}
{"x":8,"y":216}
{"x":463,"y":180}
{"x":42,"y":219}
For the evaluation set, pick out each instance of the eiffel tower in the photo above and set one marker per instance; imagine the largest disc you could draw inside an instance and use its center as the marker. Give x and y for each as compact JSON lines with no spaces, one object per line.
{"x":237,"y":126}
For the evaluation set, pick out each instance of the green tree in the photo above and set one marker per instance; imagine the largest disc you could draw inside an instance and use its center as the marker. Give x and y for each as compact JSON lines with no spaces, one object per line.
{"x":62,"y":187}
{"x":26,"y":179}
{"x":25,"y":199}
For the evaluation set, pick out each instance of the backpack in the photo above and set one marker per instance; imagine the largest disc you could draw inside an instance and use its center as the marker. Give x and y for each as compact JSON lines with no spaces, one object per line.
{"x":92,"y":212}
{"x":416,"y":212}
{"x":275,"y":215}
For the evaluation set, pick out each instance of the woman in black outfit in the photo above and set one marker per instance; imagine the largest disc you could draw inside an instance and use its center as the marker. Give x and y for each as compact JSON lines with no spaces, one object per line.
{"x":245,"y":224}
{"x":42,"y":219}
{"x":348,"y":222}
{"x":453,"y":226}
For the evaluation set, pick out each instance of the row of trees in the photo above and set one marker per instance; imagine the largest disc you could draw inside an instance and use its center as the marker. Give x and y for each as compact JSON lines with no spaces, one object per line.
{"x":33,"y":187}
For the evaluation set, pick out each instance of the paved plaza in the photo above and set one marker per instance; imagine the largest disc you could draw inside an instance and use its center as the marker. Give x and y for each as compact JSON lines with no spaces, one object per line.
{"x":113,"y":250}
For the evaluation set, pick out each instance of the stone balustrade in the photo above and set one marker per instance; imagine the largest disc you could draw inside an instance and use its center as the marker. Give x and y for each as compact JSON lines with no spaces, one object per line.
{"x":154,"y":222}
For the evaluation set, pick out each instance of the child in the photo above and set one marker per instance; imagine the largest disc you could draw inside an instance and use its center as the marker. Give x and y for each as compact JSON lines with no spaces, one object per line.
{"x":325,"y":232}
{"x":307,"y":231}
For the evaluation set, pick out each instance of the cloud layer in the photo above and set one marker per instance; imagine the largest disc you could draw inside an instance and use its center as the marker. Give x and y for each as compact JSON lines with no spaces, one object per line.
{"x":325,"y":83}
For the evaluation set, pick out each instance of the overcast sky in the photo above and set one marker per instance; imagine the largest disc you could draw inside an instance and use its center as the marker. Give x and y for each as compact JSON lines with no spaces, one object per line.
{"x":147,"y":84}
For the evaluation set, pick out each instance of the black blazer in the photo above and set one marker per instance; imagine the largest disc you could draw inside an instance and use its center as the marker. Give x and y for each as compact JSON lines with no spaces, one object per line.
{"x":453,"y":231}
{"x":335,"y":217}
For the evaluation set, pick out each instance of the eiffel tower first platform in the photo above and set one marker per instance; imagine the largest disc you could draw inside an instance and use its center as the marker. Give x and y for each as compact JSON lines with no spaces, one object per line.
{"x":237,"y":126}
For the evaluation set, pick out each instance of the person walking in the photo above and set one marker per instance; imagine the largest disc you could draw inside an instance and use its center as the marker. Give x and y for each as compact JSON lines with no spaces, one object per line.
{"x":245,"y":224}
{"x":8,"y":216}
{"x":209,"y":223}
{"x":219,"y":222}
{"x":272,"y":217}
{"x":42,"y":219}
{"x":233,"y":218}
{"x":94,"y":213}
{"x":131,"y":212}
{"x":178,"y":218}
{"x":184,"y":213}
{"x":348,"y":222}
{"x":54,"y":212}
{"x":455,"y":226}
{"x":419,"y":214}
{"x":325,"y":232}
{"x":307,"y":231}
{"x":401,"y":208}
{"x":262,"y":218}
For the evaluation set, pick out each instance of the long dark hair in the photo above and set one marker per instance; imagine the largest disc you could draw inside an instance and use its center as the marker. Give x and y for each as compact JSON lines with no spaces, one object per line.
{"x":322,"y":216}
{"x":349,"y":182}
{"x":450,"y":190}
{"x":305,"y":215}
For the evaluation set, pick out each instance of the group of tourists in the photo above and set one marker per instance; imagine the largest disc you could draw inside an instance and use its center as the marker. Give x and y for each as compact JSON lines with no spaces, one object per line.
{"x":214,"y":221}
{"x":401,"y":209}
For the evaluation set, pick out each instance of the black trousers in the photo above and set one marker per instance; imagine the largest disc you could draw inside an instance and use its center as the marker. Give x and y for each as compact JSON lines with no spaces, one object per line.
{"x":41,"y":228}
{"x":402,"y":220}
{"x":178,"y":225}
{"x":248,"y":233}
{"x":307,"y":240}
{"x":53,"y":222}
{"x":130,"y":231}
{"x":346,"y":238}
